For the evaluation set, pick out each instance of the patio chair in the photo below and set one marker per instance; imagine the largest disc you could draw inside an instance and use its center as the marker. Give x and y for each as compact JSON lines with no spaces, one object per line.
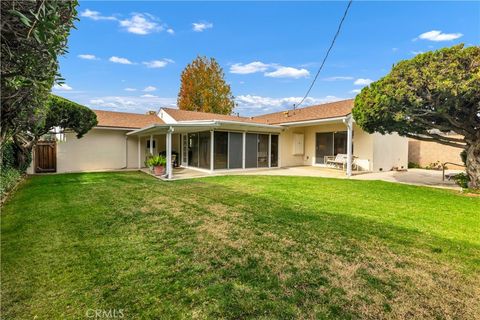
{"x":339,"y":159}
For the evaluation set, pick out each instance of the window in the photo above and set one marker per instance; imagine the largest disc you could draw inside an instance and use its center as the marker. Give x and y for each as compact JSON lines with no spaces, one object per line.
{"x":153,"y":144}
{"x":298,"y":144}
{"x":251,"y":145}
{"x":274,"y":150}
{"x":220,"y":150}
{"x":235,"y":150}
{"x":193,"y":149}
{"x":204,"y":150}
{"x":262,"y":151}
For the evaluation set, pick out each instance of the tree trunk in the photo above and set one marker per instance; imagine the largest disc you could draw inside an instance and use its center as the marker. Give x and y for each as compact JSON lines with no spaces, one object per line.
{"x":473,"y":164}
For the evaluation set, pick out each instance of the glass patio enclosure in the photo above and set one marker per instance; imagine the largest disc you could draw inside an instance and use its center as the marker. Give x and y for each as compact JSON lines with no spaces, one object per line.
{"x":261,"y":150}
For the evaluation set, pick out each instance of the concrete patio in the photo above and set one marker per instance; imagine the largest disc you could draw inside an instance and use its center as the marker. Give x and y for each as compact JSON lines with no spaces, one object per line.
{"x":420,"y":177}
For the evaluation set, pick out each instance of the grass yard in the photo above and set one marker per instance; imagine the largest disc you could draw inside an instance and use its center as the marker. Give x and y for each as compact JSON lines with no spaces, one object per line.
{"x":238,"y":247}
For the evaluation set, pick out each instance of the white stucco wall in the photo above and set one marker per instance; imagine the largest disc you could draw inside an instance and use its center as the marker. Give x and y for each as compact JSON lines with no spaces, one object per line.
{"x":99,"y":149}
{"x":373,"y":152}
{"x":389,"y":151}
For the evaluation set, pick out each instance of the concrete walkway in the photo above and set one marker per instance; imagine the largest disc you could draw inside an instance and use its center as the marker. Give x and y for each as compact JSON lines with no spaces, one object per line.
{"x":420,"y":177}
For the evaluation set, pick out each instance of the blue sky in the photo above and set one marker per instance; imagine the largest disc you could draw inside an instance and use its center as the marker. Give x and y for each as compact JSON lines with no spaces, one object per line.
{"x":128,"y":56}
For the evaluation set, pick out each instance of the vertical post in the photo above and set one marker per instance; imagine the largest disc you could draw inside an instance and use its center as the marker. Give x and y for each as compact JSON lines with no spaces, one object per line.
{"x":151,"y":144}
{"x":244,"y":146}
{"x":269,"y":150}
{"x":168,"y":144}
{"x":139,"y":148}
{"x":211,"y":150}
{"x":349,"y":124}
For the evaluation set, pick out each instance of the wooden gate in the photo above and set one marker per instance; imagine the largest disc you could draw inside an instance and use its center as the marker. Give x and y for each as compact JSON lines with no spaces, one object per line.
{"x":46,"y":156}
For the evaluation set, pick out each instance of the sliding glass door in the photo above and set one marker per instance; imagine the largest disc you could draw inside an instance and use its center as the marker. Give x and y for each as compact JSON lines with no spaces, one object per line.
{"x":329,"y":144}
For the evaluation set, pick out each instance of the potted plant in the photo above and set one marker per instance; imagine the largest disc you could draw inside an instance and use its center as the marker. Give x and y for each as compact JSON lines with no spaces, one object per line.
{"x":158,"y":163}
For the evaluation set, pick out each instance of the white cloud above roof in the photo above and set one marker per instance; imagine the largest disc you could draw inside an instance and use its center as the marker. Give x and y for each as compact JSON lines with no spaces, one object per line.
{"x":288,"y":72}
{"x":141,"y":24}
{"x":362,"y":82}
{"x":62,"y":87}
{"x":120,"y":60}
{"x":149,"y":89}
{"x":201,"y":26}
{"x":95,"y":15}
{"x":437,"y":35}
{"x":158,"y":63}
{"x":252,"y":105}
{"x":87,"y":56}
{"x":249,"y":68}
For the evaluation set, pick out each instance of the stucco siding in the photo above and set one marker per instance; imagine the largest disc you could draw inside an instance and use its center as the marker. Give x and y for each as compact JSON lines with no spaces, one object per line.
{"x":99,"y":149}
{"x":425,"y":153}
{"x":287,"y":158}
{"x":389,"y":151}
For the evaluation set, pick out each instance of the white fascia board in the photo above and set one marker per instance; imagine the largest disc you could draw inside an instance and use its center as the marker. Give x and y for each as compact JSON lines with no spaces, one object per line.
{"x":163,"y":114}
{"x":313,"y":122}
{"x":173,"y":125}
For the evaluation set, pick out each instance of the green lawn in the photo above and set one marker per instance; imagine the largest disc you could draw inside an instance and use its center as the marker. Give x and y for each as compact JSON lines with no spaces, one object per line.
{"x":238,"y":247}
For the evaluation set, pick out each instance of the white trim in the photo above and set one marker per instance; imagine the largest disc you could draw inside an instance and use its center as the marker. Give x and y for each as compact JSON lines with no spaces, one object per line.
{"x":211,"y":150}
{"x":349,"y":124}
{"x":244,"y":146}
{"x":139,"y":147}
{"x":312,"y":122}
{"x":269,"y":150}
{"x":168,"y":119}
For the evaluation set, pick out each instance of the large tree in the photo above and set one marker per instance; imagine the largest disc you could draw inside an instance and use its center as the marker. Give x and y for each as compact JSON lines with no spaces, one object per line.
{"x":34,"y":34}
{"x":203,"y":88}
{"x":428,"y":97}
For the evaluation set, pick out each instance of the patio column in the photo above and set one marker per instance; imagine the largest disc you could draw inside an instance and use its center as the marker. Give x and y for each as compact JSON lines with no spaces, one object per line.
{"x":244,"y":144}
{"x":151,"y":144}
{"x":139,"y":148}
{"x":349,"y":124}
{"x":168,"y":144}
{"x":269,"y":150}
{"x":211,"y":150}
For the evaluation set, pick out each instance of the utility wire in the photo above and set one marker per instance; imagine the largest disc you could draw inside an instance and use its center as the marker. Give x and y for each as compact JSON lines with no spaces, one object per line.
{"x":326,"y":55}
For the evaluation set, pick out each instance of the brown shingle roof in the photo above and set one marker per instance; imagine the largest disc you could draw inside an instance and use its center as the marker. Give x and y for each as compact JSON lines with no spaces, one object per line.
{"x":184,"y":115}
{"x":321,"y":111}
{"x":125,"y":119}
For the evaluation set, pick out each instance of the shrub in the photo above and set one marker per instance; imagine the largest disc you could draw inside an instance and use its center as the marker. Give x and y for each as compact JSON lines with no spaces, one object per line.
{"x":413,"y":165}
{"x":156,"y":161}
{"x":461,"y":179}
{"x":9,"y":178}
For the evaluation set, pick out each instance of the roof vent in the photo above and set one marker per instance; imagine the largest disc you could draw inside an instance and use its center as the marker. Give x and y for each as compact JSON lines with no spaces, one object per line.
{"x":285,"y":113}
{"x":151,"y":112}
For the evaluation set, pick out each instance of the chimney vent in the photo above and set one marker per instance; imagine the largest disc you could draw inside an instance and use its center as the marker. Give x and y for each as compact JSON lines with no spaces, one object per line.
{"x":151,"y":112}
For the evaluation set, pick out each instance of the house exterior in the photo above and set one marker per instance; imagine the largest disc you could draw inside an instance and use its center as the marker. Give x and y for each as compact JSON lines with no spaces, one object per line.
{"x":429,"y":154}
{"x":214,"y":142}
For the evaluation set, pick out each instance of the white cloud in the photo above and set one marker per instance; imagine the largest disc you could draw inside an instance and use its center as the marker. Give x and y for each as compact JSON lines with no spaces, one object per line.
{"x":355,"y":91}
{"x":416,"y":52}
{"x":130,"y":89}
{"x":437,"y":35}
{"x":362,"y":82}
{"x":149,"y":89}
{"x":157,"y":63}
{"x":95,"y":15}
{"x":62,"y":87}
{"x":288,"y":72}
{"x":201,"y":26}
{"x":129,"y":103}
{"x":87,"y":56}
{"x":252,"y":105}
{"x":170,"y":31}
{"x":248,"y":68}
{"x":148,"y":96}
{"x":120,"y":60}
{"x":338,"y":78}
{"x":141,"y":24}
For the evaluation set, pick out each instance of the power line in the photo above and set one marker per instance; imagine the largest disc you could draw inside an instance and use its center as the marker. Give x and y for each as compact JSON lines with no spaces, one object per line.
{"x":326,"y":55}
